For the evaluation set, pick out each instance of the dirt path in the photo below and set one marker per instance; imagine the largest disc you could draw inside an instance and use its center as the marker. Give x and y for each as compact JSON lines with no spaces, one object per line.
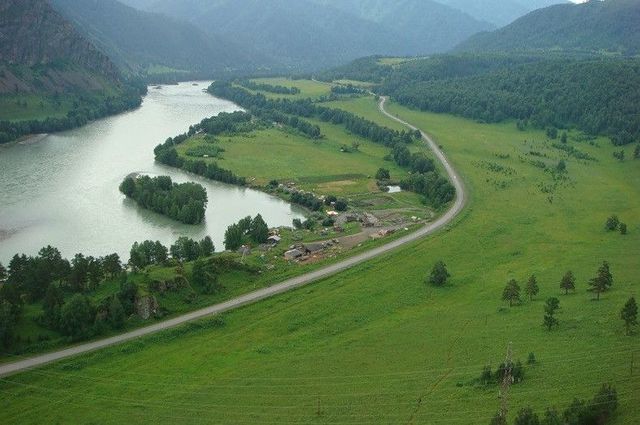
{"x":288,"y":285}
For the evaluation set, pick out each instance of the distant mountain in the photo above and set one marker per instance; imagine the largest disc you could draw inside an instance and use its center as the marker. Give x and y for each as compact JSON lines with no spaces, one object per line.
{"x":430,"y":26}
{"x":297,"y":33}
{"x":41,"y":52}
{"x":142,"y":42}
{"x":596,"y":26}
{"x":499,"y":12}
{"x":320,"y":33}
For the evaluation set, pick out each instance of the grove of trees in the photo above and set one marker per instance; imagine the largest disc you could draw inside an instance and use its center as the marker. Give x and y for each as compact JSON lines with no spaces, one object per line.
{"x":185,"y":202}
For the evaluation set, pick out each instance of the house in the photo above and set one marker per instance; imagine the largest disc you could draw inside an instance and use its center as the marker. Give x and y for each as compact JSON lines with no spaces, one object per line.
{"x":274,"y":240}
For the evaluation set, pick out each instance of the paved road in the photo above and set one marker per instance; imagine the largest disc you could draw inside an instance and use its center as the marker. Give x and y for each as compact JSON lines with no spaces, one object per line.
{"x":288,"y":285}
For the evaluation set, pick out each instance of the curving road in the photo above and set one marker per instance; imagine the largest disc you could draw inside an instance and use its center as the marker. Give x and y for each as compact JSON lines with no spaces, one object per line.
{"x":288,"y":285}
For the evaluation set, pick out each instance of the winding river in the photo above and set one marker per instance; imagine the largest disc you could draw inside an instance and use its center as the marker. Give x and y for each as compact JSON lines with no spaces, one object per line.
{"x":62,"y":189}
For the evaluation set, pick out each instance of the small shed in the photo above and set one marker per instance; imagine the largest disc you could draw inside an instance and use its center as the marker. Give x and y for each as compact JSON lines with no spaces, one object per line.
{"x":274,"y":240}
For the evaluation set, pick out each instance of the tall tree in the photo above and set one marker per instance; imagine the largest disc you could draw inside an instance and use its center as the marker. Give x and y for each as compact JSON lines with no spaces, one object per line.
{"x":3,"y":273}
{"x":511,"y":293}
{"x":259,"y":231}
{"x":52,"y":305}
{"x":439,"y":274}
{"x":550,"y":308}
{"x":602,"y":281}
{"x":532,"y":289}
{"x":568,"y":282}
{"x":629,"y":314}
{"x":233,"y":237}
{"x":77,"y":317}
{"x":112,"y":265}
{"x":206,"y":247}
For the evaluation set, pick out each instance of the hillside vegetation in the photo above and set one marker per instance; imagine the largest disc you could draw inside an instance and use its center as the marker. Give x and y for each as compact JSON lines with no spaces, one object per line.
{"x":595,"y":26}
{"x":51,"y":78}
{"x":598,"y":96}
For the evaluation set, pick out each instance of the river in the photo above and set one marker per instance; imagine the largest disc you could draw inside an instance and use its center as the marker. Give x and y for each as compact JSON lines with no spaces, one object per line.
{"x":62,"y":189}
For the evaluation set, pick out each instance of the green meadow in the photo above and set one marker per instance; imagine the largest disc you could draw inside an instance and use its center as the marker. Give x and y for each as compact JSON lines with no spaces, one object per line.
{"x":33,"y":107}
{"x":376,"y":344}
{"x":308,"y":88}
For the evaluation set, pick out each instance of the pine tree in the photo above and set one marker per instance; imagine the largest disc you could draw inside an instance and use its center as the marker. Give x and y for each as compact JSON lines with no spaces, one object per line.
{"x":629,"y":314}
{"x":511,"y":292}
{"x":439,"y":274}
{"x":532,"y":289}
{"x":568,"y":282}
{"x":551,"y":306}
{"x":3,"y":273}
{"x":602,"y":281}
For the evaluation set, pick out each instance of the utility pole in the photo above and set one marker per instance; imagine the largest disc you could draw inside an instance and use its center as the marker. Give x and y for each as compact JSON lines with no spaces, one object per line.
{"x":507,"y":380}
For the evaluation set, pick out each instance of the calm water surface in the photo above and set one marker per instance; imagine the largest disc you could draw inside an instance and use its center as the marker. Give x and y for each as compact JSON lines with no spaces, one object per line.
{"x":62,"y":189}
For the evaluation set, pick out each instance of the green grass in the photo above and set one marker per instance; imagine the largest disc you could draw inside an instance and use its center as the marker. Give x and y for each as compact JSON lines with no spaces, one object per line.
{"x":320,"y":165}
{"x":375,"y":344}
{"x":308,"y":88}
{"x":33,"y":107}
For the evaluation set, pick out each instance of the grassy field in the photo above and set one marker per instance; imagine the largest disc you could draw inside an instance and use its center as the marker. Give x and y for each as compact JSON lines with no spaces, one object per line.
{"x":32,"y":107}
{"x":377,"y":345}
{"x":308,"y":88}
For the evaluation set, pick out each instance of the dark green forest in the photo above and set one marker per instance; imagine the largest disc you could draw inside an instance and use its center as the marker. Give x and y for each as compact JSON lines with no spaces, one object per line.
{"x":600,"y":96}
{"x":185,"y":202}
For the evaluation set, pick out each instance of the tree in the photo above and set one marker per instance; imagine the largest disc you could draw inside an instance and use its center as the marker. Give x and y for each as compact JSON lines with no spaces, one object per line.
{"x":612,"y":223}
{"x":128,"y":186}
{"x":550,"y":308}
{"x":383,"y":174}
{"x":112,"y":265}
{"x":511,"y":292}
{"x":116,"y":313}
{"x":206,"y":247}
{"x":204,"y":278}
{"x":259,"y":231}
{"x":636,"y":152}
{"x":568,"y":282}
{"x":8,"y":322}
{"x":3,"y":273}
{"x":526,"y":416}
{"x":233,"y":237}
{"x":623,"y":228}
{"x":562,"y":166}
{"x":629,"y":314}
{"x":439,"y":274}
{"x":341,"y":205}
{"x":604,"y":404}
{"x":77,"y":317}
{"x":532,"y":288}
{"x":602,"y":281}
{"x":52,"y":305}
{"x":563,"y":138}
{"x":79,"y":271}
{"x":297,"y":223}
{"x":619,"y":155}
{"x":552,"y":133}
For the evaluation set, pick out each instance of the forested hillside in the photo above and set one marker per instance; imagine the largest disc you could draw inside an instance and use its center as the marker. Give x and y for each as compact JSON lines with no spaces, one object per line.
{"x":149,"y":43}
{"x":51,"y":78}
{"x":595,"y":26}
{"x":599,"y":96}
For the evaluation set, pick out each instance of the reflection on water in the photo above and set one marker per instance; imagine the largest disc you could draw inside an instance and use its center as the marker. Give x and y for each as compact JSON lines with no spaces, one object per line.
{"x":62,"y":189}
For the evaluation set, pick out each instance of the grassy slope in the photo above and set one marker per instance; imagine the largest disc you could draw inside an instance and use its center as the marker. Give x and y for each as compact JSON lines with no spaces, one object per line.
{"x":368,"y":344}
{"x":32,"y":107}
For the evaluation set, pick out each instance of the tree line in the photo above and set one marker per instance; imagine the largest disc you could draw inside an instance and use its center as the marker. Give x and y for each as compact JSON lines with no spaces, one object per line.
{"x":596,"y":96}
{"x":270,"y":88}
{"x":65,"y":289}
{"x":86,"y":108}
{"x":185,"y":202}
{"x":245,"y":232}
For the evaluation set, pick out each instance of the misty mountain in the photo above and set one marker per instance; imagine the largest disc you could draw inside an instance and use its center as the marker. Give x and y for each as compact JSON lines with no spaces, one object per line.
{"x":430,"y":26}
{"x":139,"y":42}
{"x":596,"y":26}
{"x":297,"y":33}
{"x":499,"y":12}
